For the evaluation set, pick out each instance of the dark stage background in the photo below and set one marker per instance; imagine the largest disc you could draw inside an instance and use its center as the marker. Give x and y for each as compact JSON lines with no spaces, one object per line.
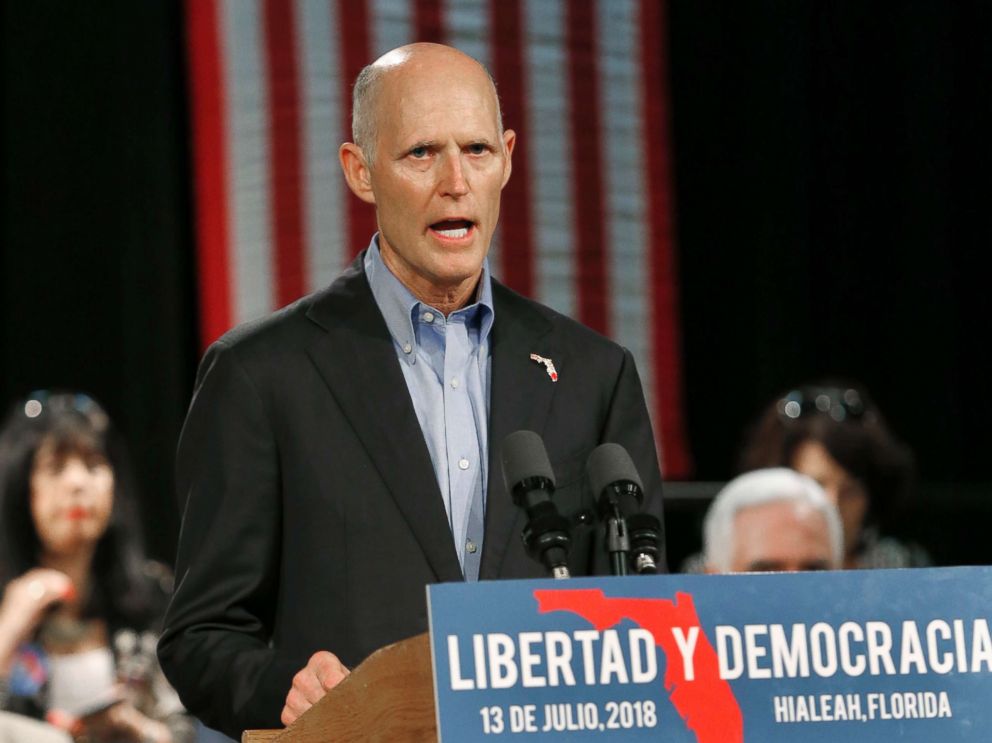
{"x":833,"y":195}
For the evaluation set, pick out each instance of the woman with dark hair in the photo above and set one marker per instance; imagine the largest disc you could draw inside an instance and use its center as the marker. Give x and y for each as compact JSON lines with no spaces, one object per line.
{"x":834,"y":434}
{"x":80,"y":604}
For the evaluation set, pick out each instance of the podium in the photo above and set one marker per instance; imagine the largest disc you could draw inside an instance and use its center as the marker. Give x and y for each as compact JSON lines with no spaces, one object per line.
{"x":860,"y":656}
{"x":388,"y":697}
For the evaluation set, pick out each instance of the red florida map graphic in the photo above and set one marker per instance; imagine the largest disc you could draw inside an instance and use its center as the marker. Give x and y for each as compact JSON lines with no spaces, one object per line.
{"x":706,"y":703}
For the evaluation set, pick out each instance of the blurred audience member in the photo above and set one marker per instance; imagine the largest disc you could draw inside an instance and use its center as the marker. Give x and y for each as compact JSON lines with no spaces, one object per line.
{"x":772,"y":520}
{"x":79,"y":602}
{"x":835,"y":435}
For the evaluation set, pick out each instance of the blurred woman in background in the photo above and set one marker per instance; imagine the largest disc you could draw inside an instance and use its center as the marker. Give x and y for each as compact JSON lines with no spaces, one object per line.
{"x":834,"y":434}
{"x":80,"y":604}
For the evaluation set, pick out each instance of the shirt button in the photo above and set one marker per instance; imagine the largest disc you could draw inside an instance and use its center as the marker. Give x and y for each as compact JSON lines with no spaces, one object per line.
{"x":428,"y":317}
{"x":463,"y":464}
{"x":470,"y":546}
{"x":454,"y":383}
{"x":407,"y":348}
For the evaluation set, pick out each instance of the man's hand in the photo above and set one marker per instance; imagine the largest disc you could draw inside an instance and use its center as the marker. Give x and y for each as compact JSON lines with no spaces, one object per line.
{"x":323,"y":672}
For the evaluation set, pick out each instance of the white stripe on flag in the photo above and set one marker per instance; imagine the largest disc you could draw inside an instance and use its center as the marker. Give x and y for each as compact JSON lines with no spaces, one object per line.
{"x":320,"y":119}
{"x":245,"y":76}
{"x":466,"y":24}
{"x":628,"y":259}
{"x":392,"y":25}
{"x":549,"y":151}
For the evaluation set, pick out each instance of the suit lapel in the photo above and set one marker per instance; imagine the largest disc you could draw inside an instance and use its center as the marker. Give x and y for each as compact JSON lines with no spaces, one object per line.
{"x":357,"y":360}
{"x":520,"y":398}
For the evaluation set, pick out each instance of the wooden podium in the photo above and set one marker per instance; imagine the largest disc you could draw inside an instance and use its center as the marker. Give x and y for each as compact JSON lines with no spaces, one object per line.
{"x":389,"y":697}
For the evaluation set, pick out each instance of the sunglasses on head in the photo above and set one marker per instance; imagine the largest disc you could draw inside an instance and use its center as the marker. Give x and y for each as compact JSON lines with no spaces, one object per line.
{"x":46,"y":401}
{"x":839,"y":403}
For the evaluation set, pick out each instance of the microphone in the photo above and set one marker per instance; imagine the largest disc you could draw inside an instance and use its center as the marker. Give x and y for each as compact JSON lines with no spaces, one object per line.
{"x":530,"y":481}
{"x":629,"y":532}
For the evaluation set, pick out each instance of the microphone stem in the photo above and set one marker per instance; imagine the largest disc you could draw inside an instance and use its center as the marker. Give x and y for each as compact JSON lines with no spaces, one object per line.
{"x":617,"y":541}
{"x":618,"y":563}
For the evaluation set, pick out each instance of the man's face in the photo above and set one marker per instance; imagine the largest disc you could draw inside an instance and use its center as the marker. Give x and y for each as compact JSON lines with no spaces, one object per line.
{"x":440,"y":165}
{"x":780,"y":536}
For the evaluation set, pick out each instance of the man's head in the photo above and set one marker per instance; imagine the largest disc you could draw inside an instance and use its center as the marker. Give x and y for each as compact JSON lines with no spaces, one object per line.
{"x":431,"y":154}
{"x":772,"y":519}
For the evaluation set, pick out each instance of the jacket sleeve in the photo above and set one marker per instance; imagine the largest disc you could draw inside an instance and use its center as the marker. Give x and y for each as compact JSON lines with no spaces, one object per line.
{"x":215,"y":648}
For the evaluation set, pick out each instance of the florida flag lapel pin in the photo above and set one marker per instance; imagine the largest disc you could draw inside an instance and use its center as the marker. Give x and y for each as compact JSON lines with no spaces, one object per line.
{"x":548,"y":364}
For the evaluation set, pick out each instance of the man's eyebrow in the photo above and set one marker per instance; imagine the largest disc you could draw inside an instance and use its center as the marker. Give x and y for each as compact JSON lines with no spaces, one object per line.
{"x":433,"y":144}
{"x":429,"y":144}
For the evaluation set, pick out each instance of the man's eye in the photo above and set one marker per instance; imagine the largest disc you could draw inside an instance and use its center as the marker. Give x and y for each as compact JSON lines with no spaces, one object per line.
{"x":418,"y":152}
{"x":477,"y":149}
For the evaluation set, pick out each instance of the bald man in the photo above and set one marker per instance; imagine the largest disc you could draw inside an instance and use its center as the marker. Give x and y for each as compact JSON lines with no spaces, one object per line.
{"x":342,"y":454}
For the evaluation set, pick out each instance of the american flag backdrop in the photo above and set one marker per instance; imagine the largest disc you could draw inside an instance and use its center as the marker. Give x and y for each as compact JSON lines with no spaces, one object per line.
{"x":587,"y":218}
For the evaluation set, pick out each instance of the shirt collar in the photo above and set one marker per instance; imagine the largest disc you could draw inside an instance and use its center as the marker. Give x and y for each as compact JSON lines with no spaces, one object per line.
{"x":399,"y":307}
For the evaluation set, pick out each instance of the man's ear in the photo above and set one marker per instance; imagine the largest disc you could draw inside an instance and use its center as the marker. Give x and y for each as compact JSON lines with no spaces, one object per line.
{"x":356,"y":171}
{"x":509,"y":139}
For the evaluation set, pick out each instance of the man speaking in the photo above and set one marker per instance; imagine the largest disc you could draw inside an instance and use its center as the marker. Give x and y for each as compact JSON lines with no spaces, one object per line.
{"x":342,"y":453}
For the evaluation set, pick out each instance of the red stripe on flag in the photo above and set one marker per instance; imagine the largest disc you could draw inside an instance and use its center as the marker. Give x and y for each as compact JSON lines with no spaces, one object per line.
{"x":210,"y":165}
{"x":353,"y":18}
{"x":587,"y":167}
{"x":427,"y":21}
{"x":517,"y":244}
{"x":284,"y":152}
{"x":664,"y":318}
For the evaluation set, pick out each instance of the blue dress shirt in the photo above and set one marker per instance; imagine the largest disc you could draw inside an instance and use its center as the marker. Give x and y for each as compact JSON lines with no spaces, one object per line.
{"x":445,"y":361}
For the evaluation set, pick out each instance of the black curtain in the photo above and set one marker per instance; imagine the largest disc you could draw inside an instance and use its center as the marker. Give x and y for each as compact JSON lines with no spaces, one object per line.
{"x":96,"y":278}
{"x":833,"y":171}
{"x":833,"y":185}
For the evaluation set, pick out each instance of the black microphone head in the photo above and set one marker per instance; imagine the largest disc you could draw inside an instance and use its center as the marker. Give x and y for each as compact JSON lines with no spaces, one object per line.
{"x":610,"y":464}
{"x":524,"y":457}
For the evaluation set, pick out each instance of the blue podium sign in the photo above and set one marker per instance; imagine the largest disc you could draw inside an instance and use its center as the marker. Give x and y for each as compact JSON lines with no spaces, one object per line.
{"x":858,"y":656}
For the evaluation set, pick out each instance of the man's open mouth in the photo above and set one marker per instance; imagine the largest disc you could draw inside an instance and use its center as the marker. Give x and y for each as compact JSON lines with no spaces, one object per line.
{"x":453,"y":229}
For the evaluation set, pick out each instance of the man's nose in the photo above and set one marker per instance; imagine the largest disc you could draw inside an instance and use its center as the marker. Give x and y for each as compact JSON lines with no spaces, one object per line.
{"x":453,"y":181}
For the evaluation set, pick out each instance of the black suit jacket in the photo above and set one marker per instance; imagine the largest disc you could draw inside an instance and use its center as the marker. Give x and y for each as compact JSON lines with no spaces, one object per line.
{"x":313,"y":519}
